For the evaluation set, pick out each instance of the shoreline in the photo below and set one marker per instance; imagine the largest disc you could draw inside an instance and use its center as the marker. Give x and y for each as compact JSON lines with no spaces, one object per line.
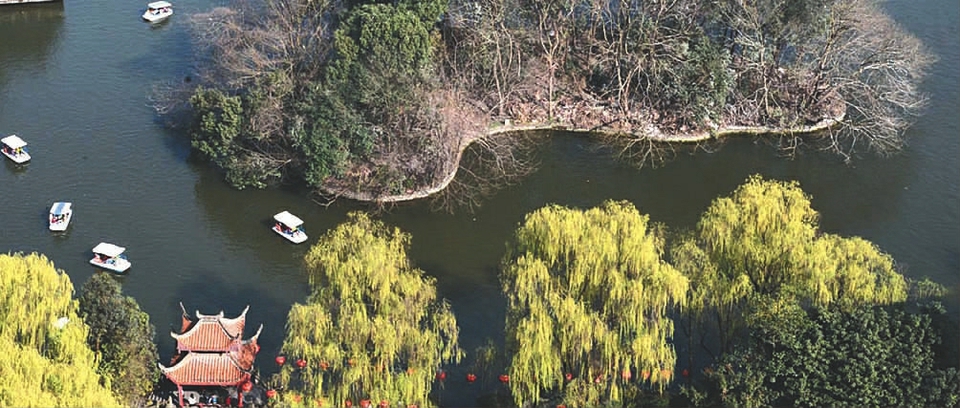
{"x":653,"y":134}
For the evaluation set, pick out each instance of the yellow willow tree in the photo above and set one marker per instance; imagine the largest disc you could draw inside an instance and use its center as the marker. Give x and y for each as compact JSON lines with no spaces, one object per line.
{"x":44,"y":357}
{"x":372,"y":328}
{"x":764,"y":242}
{"x":588,"y":293}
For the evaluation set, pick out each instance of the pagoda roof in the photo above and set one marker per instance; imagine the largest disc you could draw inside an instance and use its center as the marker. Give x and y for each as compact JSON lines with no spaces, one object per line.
{"x":213,"y":369}
{"x":211,"y":333}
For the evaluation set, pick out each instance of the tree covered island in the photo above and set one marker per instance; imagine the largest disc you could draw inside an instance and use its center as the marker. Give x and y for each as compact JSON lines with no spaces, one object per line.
{"x":377,"y":100}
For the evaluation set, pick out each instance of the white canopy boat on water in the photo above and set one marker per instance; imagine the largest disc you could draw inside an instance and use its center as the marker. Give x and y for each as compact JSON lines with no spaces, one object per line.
{"x":158,"y":11}
{"x":60,"y":214}
{"x":15,"y":149}
{"x":109,"y":256}
{"x":289,"y":227}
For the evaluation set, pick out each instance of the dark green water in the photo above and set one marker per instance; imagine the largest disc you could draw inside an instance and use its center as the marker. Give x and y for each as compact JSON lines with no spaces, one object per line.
{"x":75,"y":80}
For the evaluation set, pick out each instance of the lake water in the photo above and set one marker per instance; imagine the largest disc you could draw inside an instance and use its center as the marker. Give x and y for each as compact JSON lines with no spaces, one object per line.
{"x":75,"y":79}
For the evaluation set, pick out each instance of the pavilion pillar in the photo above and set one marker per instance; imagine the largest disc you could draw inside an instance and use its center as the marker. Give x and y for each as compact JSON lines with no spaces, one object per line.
{"x":180,"y":393}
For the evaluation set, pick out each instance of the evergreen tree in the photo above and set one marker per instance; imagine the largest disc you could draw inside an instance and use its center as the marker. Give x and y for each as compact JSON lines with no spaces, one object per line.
{"x":123,"y":336}
{"x":866,"y":356}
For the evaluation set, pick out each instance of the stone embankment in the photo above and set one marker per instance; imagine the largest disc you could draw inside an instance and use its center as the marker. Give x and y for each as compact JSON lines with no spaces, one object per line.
{"x":650,"y":133}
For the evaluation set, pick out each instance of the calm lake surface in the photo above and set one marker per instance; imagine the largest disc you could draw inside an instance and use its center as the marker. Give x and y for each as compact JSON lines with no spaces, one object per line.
{"x":74,"y":83}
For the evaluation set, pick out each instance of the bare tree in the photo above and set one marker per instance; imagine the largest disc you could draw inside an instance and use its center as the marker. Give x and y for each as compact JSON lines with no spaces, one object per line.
{"x":876,"y":67}
{"x":239,"y":44}
{"x":808,"y":61}
{"x":485,"y":52}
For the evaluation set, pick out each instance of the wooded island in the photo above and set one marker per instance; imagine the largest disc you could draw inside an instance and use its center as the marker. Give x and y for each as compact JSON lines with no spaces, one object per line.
{"x":377,"y":100}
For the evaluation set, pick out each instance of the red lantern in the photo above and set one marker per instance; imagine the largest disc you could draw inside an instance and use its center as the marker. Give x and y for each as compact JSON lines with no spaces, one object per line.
{"x":301,"y":363}
{"x":441,"y":375}
{"x":410,"y":371}
{"x":471,"y":378}
{"x":685,"y":373}
{"x":280,"y":360}
{"x":626,"y":375}
{"x":271,"y":394}
{"x":645,"y":374}
{"x":320,"y":403}
{"x":504,"y":378}
{"x":297,"y":398}
{"x":348,"y":403}
{"x":568,"y":376}
{"x":324,"y":365}
{"x":350,"y":362}
{"x":598,"y":379}
{"x":384,"y":404}
{"x":247,"y":386}
{"x":365,"y":403}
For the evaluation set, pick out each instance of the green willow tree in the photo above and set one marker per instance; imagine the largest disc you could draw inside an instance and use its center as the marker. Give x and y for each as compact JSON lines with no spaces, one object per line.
{"x":763,"y":243}
{"x":373,"y":327}
{"x":123,"y":336}
{"x":588,"y":293}
{"x":44,"y":358}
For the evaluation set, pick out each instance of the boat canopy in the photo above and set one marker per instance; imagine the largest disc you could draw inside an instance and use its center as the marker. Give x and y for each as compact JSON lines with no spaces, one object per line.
{"x":159,"y":5}
{"x":60,"y":208}
{"x":288,"y":219}
{"x":108,"y":249}
{"x":13,"y":141}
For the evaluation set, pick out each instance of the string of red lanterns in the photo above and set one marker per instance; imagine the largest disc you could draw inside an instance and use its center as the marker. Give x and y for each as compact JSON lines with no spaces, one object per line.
{"x":441,"y":376}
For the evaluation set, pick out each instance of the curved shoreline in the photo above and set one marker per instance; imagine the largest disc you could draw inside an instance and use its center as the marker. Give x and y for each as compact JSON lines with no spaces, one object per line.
{"x":653,"y":134}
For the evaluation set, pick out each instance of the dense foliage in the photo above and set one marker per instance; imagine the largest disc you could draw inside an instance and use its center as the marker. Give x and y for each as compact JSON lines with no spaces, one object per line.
{"x":373,"y":328}
{"x":763,"y":244}
{"x":321,"y":112}
{"x":867,"y":356}
{"x":123,"y":336}
{"x":588,"y":293}
{"x":44,"y":357}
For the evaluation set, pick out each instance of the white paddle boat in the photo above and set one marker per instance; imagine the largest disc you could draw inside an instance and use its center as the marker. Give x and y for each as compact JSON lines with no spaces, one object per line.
{"x":289,"y":227}
{"x":60,"y":214}
{"x":15,"y":149}
{"x":109,"y":256}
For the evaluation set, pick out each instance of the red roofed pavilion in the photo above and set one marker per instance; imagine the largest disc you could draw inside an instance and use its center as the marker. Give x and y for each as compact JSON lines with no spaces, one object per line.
{"x":209,"y":332}
{"x":212,"y":352}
